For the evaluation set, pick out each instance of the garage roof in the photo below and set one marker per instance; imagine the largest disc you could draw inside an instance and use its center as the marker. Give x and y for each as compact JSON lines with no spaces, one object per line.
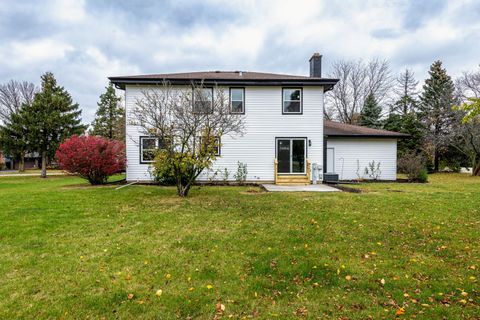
{"x":337,"y":129}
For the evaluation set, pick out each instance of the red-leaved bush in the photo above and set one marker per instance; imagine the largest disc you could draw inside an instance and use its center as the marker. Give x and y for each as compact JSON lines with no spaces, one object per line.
{"x":91,"y":157}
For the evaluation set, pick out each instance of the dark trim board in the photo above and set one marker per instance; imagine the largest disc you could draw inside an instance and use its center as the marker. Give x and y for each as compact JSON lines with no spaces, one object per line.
{"x":369,"y":136}
{"x":328,"y":84}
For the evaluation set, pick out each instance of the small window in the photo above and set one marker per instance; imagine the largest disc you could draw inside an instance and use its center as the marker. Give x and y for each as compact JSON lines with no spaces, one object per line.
{"x":203,"y":100}
{"x":237,"y":100}
{"x":148,"y":149}
{"x":292,"y":100}
{"x":216,"y":147}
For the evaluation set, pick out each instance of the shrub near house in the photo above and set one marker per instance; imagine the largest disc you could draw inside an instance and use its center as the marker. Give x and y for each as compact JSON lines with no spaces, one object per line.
{"x":91,"y":157}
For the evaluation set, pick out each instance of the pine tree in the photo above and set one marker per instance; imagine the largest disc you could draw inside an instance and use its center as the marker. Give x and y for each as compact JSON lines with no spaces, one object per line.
{"x":406,"y":90}
{"x":51,"y":118}
{"x":403,"y":115}
{"x":109,"y":117}
{"x":371,"y":112}
{"x":436,"y":111}
{"x":13,"y":137}
{"x":410,"y":125}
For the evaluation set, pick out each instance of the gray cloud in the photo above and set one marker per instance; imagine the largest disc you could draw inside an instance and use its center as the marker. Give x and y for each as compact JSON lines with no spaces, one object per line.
{"x":84,"y":42}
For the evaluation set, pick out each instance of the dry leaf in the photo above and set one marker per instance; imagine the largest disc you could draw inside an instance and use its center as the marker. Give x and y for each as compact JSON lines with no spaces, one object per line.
{"x":400,"y":311}
{"x":130,"y":296}
{"x":219,"y":308}
{"x":159,"y":292}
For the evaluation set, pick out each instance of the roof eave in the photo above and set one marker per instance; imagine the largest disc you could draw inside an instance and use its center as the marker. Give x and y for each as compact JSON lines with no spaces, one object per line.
{"x":382,"y":136}
{"x":120,"y":83}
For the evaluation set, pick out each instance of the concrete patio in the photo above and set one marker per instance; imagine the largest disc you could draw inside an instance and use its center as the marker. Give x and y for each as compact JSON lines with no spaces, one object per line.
{"x":300,"y":188}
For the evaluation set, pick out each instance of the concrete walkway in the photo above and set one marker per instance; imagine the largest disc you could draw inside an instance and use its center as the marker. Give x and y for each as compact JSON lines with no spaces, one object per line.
{"x":306,"y":188}
{"x":31,"y":174}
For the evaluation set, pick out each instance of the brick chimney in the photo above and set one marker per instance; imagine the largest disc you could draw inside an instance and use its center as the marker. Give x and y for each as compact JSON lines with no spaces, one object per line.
{"x":316,"y":65}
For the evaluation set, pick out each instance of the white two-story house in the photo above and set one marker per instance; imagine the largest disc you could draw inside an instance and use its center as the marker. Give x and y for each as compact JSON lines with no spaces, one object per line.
{"x":285,"y":135}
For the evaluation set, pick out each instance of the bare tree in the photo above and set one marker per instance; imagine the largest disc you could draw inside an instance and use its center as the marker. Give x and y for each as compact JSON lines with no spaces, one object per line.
{"x":468,"y":85}
{"x":406,"y":92}
{"x":13,"y":95}
{"x":188,"y":124}
{"x":466,"y":131}
{"x":466,"y":139}
{"x":357,"y":81}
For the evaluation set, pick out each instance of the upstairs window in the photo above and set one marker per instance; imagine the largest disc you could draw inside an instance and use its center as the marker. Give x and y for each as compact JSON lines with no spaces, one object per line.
{"x":237,"y":100}
{"x":203,"y":100}
{"x":292,"y":101}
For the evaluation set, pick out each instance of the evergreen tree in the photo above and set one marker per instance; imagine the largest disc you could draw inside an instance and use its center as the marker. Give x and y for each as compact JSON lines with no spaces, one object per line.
{"x":371,"y":112}
{"x":109,"y":117}
{"x":403,"y":115}
{"x":436,"y":111}
{"x":410,"y":125}
{"x":13,"y":137}
{"x":51,"y":118}
{"x":407,"y":95}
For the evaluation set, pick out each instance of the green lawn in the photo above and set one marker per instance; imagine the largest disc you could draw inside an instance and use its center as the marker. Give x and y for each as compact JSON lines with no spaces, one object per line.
{"x":68,"y":250}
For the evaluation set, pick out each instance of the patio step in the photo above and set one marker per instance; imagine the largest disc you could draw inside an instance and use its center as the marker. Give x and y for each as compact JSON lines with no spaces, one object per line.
{"x":293,"y":180}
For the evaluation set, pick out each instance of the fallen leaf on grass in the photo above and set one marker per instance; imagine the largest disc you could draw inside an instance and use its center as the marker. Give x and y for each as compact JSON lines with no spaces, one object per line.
{"x":219,"y":308}
{"x":159,"y":292}
{"x":301,"y":312}
{"x":130,"y":296}
{"x":400,"y":311}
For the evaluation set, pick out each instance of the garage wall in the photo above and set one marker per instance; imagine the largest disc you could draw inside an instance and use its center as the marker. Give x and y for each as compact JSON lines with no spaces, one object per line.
{"x":347,"y":151}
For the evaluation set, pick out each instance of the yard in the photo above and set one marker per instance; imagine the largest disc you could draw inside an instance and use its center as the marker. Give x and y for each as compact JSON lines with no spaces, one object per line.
{"x":68,"y":250}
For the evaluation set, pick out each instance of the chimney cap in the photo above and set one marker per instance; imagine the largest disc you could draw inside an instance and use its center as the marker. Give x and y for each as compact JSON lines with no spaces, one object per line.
{"x":316,"y":55}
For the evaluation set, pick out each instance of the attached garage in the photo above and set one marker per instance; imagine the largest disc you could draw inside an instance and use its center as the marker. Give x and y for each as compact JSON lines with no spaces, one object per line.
{"x":350,"y":149}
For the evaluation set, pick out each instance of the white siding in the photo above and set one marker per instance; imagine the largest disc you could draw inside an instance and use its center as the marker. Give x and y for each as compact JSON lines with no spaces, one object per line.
{"x":264,"y":122}
{"x":350,"y":150}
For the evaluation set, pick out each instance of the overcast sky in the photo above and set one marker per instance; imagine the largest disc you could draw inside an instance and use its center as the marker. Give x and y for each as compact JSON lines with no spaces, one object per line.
{"x":84,"y":42}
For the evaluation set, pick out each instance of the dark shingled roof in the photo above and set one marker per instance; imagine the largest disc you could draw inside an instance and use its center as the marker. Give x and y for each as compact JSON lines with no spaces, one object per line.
{"x":224,"y":77}
{"x":337,"y":129}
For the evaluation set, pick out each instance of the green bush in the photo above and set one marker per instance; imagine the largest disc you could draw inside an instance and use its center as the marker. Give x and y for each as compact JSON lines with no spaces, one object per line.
{"x":162,"y":170}
{"x":422,"y":176}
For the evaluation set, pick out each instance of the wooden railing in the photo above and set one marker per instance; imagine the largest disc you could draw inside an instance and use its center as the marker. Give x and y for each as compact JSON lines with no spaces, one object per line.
{"x":309,"y":171}
{"x":275,"y":170}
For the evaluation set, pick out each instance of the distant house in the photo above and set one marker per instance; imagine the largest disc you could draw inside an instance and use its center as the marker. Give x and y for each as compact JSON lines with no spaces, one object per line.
{"x":286,"y":136}
{"x":32,"y":161}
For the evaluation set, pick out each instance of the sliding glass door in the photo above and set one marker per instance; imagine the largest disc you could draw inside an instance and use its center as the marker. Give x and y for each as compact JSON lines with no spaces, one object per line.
{"x":291,"y":155}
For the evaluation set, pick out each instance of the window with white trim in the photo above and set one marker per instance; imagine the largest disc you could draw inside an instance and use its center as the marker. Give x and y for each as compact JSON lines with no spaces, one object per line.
{"x":237,"y":100}
{"x":292,"y":101}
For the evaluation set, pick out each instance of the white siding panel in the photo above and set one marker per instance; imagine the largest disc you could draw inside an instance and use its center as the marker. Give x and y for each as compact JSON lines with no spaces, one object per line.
{"x":264,"y":122}
{"x":350,"y":150}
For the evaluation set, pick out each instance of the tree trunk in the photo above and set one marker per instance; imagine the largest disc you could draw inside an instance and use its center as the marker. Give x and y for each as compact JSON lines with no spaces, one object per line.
{"x":182,"y":190}
{"x":436,"y":160}
{"x":44,"y":164}
{"x":21,"y":164}
{"x":476,"y":169}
